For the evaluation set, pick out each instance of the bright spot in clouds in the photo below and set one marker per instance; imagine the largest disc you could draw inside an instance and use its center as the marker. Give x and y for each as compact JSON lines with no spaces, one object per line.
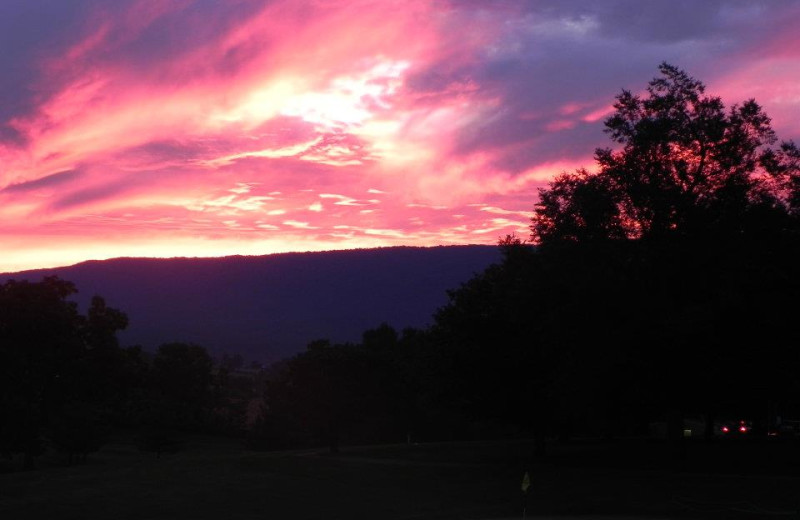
{"x":193,"y":128}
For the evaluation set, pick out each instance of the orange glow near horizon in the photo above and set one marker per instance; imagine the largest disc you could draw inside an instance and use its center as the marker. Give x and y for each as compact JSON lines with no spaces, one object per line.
{"x":163,"y":129}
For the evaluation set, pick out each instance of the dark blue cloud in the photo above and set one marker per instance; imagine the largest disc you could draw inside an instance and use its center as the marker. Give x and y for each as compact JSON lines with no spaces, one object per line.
{"x":85,"y":196}
{"x":48,"y":181}
{"x":547,"y":54}
{"x":28,"y":30}
{"x":181,"y":31}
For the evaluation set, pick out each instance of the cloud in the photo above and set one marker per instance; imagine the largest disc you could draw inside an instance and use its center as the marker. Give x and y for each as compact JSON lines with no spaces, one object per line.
{"x":48,"y":181}
{"x":191,"y":123}
{"x":85,"y":196}
{"x":343,"y":200}
{"x":298,"y":225}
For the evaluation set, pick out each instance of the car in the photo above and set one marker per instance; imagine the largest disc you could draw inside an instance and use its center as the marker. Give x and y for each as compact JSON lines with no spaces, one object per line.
{"x":734,"y":428}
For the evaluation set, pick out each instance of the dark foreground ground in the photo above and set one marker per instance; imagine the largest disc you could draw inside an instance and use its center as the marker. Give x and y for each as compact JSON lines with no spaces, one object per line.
{"x":213,"y":479}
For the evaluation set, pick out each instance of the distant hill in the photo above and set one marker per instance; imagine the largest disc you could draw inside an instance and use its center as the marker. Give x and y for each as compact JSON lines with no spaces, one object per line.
{"x":267,"y":307}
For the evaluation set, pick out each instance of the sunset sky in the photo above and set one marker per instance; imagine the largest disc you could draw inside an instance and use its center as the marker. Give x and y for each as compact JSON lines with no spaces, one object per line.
{"x":207,"y":128}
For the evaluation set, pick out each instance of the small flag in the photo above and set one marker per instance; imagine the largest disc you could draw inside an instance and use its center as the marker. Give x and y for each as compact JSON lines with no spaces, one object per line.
{"x":526,"y":482}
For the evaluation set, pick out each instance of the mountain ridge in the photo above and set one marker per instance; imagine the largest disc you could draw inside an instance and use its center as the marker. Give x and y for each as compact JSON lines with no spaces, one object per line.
{"x":267,"y":307}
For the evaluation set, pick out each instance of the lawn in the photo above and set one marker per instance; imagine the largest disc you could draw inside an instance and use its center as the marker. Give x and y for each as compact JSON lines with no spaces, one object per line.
{"x":217,"y":479}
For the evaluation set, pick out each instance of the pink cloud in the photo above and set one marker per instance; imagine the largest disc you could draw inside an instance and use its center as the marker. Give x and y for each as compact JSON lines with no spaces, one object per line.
{"x":560,"y":124}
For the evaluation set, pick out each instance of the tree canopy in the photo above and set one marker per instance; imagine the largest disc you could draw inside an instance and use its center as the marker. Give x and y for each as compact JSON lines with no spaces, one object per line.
{"x":58,"y":368}
{"x":684,"y":165}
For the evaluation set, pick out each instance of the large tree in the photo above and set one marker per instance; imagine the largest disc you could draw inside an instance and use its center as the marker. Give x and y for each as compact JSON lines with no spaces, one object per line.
{"x":39,"y":335}
{"x":683,"y":165}
{"x":698,"y":211}
{"x":53,"y":362}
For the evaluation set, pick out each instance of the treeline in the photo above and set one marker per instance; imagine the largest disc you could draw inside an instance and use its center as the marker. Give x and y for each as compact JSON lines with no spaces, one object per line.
{"x":66,"y":383}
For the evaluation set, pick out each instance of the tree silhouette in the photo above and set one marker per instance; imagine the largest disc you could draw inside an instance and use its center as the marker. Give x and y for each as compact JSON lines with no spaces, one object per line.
{"x":316,"y":392}
{"x":40,"y":334}
{"x":350,"y":393}
{"x":686,"y":166}
{"x":178,"y":396}
{"x":57,"y":367}
{"x":180,"y":377}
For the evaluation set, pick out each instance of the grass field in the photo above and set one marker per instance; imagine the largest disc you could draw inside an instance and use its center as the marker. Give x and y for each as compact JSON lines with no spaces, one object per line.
{"x":217,"y":479}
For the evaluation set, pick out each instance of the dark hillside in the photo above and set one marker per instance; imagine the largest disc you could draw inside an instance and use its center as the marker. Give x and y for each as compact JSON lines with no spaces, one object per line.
{"x":265,"y":307}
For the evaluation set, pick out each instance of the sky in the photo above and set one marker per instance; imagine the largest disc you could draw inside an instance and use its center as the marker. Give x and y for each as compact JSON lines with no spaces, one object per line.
{"x":166,"y":128}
